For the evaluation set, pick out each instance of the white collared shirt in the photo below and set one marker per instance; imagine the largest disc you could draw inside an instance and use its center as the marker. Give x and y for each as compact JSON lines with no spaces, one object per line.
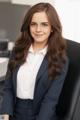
{"x":27,"y":73}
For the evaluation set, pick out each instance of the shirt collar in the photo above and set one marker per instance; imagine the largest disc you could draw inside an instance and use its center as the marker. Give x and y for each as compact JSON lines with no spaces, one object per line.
{"x":42,"y":51}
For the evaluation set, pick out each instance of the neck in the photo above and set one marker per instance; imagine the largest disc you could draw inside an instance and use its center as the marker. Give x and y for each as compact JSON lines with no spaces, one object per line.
{"x":37,"y":47}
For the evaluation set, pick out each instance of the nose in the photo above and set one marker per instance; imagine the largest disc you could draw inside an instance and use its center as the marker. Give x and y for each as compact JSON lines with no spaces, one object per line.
{"x":38,"y":28}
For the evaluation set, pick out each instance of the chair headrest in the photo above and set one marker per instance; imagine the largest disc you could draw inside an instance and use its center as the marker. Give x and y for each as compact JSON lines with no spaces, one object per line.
{"x":71,"y":87}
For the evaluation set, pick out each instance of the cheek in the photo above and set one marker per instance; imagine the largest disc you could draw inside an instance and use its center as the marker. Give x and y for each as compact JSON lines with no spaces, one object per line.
{"x":31,"y":32}
{"x":30,"y":29}
{"x":48,"y":32}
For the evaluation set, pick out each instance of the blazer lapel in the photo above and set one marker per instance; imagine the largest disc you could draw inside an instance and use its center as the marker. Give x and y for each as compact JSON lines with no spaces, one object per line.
{"x":14,"y":78}
{"x":43,"y":67}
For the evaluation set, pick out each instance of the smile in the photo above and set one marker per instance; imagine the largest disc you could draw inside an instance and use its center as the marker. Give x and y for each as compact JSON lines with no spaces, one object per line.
{"x":38,"y":35}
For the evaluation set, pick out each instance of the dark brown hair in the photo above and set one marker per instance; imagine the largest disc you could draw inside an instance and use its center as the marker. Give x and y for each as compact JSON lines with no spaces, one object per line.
{"x":56,"y":53}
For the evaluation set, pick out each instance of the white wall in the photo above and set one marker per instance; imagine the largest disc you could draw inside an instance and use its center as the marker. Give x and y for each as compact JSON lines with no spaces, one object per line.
{"x":70,"y":18}
{"x":30,"y":2}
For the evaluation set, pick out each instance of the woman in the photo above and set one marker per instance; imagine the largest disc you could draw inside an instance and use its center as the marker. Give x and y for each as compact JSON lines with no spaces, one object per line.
{"x":37,"y":67}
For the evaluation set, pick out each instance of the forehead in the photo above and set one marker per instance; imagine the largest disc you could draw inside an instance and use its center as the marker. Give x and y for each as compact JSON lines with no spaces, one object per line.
{"x":40,"y":17}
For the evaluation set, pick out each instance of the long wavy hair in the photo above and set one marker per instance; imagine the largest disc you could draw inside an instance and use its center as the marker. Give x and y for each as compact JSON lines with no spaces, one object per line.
{"x":56,"y":53}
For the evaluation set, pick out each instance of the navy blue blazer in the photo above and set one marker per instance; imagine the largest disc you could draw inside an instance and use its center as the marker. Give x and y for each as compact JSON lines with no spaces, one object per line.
{"x":46,"y":93}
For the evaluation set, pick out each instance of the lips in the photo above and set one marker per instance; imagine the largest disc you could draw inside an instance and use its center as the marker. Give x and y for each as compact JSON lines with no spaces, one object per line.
{"x":38,"y":35}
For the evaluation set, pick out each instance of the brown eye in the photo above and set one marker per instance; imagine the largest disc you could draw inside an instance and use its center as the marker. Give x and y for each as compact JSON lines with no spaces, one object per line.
{"x":44,"y":24}
{"x":33,"y":24}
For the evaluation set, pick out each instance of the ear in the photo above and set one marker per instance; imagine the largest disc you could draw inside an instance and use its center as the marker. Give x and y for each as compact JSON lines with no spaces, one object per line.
{"x":51,"y":30}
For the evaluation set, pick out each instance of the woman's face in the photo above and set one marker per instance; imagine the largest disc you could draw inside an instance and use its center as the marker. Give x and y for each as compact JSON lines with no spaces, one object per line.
{"x":40,"y":28}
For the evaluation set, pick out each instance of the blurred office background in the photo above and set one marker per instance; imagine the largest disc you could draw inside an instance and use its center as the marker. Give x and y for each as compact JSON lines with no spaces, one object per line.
{"x":11,"y":16}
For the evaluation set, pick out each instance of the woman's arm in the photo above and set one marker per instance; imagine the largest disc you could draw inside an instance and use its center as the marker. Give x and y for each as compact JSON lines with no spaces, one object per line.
{"x":8,"y":98}
{"x":7,"y":103}
{"x":48,"y":106}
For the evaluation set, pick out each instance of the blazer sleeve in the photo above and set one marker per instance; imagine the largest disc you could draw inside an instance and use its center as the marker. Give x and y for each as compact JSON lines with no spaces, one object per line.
{"x":48,"y":106}
{"x":7,"y":103}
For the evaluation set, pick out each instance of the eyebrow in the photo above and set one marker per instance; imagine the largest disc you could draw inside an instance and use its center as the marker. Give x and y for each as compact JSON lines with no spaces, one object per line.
{"x":41,"y":22}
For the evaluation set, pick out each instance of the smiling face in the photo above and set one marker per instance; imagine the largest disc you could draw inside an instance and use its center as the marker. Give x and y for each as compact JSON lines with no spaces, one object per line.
{"x":40,"y":28}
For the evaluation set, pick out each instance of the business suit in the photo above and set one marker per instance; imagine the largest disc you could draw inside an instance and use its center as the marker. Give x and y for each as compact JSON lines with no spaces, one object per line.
{"x":46,"y":92}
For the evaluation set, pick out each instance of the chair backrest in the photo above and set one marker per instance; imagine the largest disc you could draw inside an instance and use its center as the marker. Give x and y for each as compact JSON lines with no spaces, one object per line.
{"x":69,"y":102}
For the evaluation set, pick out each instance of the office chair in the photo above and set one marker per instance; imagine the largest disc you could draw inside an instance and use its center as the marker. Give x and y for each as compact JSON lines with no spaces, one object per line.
{"x":68,"y":107}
